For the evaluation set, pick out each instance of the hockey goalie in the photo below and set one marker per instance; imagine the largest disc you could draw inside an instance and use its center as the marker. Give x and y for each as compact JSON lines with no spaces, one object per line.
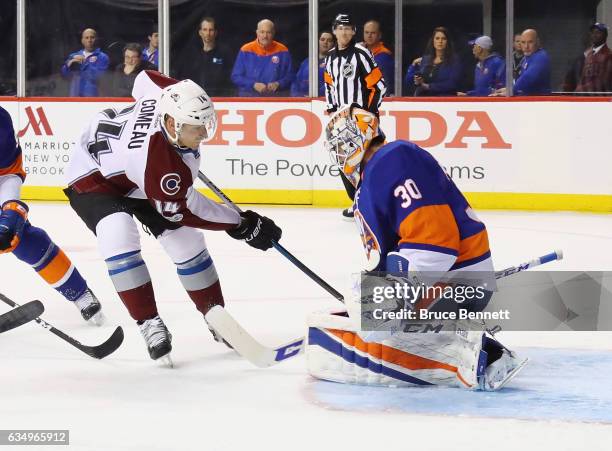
{"x":414,"y":222}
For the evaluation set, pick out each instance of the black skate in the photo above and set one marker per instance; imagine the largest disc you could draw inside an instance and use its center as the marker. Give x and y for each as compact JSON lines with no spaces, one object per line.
{"x":157,"y":338}
{"x":90,"y":308}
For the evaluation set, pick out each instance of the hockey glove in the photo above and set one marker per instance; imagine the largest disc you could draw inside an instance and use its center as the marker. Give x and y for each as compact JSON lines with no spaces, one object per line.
{"x":13,"y":218}
{"x":258,"y":231}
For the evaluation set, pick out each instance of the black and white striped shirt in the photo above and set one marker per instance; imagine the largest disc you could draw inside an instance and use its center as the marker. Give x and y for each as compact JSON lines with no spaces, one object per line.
{"x":352,"y":76}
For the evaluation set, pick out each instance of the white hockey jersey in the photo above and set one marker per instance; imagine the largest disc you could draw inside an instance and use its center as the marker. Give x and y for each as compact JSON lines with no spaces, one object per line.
{"x":125,"y":153}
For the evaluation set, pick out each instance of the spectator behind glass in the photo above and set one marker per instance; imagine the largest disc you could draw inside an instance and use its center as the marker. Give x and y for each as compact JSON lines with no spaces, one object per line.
{"x":596,"y":74}
{"x":490,"y":71}
{"x":208,"y":64}
{"x":151,"y":53}
{"x":534,"y":71}
{"x":382,"y":55}
{"x":85,"y":67}
{"x":126,"y":72}
{"x":299,"y":87}
{"x":436,"y":73}
{"x":517,"y":55}
{"x":263,"y":67}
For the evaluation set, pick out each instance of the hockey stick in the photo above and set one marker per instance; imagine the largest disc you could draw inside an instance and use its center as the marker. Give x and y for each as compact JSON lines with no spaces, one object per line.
{"x":284,"y":252}
{"x":97,"y":352}
{"x":244,"y":343}
{"x":21,"y":315}
{"x":262,"y":356}
{"x":555,"y":255}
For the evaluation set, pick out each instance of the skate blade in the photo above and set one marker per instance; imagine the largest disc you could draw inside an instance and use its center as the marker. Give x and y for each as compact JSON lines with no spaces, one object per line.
{"x":511,"y":375}
{"x":166,"y":361}
{"x":97,"y":320}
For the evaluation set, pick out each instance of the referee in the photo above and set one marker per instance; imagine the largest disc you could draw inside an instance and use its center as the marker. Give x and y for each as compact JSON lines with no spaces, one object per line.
{"x":352,"y":77}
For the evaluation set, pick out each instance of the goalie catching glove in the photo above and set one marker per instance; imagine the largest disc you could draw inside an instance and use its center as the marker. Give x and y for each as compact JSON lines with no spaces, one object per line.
{"x":258,"y":231}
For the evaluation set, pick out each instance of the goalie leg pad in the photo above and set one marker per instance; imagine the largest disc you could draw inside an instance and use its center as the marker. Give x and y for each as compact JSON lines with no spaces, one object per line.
{"x":336,"y":352}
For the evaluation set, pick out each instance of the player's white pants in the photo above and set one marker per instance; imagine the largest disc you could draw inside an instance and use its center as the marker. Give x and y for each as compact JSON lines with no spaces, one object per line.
{"x":187,"y":249}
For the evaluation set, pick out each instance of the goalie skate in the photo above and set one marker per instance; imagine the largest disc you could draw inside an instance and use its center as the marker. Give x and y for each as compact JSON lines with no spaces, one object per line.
{"x":500,"y":372}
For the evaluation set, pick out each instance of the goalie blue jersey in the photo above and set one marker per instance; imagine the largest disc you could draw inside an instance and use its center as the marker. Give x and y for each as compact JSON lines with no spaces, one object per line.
{"x":406,"y":203}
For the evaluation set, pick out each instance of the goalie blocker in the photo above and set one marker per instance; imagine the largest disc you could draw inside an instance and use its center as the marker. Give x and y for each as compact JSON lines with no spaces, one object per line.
{"x":335,"y":352}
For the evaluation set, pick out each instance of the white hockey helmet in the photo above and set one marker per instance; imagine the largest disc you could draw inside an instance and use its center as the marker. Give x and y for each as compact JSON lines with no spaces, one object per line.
{"x":187,"y":103}
{"x":348,"y":135}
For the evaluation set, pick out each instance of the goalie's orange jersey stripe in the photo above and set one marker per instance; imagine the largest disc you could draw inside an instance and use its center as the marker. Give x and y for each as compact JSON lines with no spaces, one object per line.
{"x":431,"y":224}
{"x":395,"y":356}
{"x":473,"y":246}
{"x":15,"y":168}
{"x":56,"y":269}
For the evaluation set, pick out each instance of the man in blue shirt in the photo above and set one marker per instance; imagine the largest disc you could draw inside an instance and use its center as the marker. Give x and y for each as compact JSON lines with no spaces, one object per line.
{"x":151,"y":53}
{"x":534,"y":70}
{"x":263,"y":67}
{"x":85,"y":67}
{"x":490,"y":71}
{"x":299,"y":87}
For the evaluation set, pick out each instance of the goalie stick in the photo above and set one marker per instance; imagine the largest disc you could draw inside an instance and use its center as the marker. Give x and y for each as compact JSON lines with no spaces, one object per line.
{"x":21,"y":315}
{"x":262,"y":356}
{"x":97,"y":352}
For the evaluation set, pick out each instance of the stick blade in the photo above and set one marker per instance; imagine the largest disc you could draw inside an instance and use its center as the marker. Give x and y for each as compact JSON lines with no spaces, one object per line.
{"x":21,"y":315}
{"x":245,"y":345}
{"x":106,"y":348}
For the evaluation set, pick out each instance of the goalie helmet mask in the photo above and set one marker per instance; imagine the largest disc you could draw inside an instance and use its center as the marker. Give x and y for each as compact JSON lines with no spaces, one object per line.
{"x":187,"y":103}
{"x":348,"y":136}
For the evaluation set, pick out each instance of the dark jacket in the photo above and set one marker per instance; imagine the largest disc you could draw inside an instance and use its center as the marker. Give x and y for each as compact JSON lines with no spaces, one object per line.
{"x":211,"y":70}
{"x":122,"y":84}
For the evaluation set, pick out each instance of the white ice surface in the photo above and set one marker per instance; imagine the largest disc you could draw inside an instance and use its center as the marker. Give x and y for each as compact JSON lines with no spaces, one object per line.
{"x":214,"y":400}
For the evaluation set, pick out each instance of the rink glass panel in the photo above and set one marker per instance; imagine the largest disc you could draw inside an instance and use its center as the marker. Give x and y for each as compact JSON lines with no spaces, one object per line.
{"x":563,"y":28}
{"x":52,"y":33}
{"x":236,"y":22}
{"x":8,"y":50}
{"x":361,"y":12}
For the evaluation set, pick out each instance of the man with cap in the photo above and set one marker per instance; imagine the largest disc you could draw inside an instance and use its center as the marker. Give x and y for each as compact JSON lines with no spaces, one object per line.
{"x":490,"y":71}
{"x":596,"y":75}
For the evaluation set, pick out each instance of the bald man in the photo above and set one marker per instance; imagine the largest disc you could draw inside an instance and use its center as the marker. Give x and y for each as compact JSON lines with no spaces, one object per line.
{"x":372,"y":39}
{"x":85,"y":67}
{"x":263,"y":67}
{"x":534,"y":69}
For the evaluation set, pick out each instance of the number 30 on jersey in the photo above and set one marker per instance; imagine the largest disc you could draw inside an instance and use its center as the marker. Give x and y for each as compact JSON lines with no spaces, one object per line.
{"x":407,"y":192}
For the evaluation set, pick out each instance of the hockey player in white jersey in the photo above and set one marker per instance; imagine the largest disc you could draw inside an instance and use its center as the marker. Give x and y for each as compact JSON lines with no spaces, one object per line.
{"x":142,"y":162}
{"x":414,"y":222}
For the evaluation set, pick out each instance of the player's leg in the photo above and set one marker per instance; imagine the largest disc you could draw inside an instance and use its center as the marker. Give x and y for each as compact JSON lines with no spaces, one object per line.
{"x":34,"y":247}
{"x":187,"y":249}
{"x":51,"y":263}
{"x":119,"y":243}
{"x":109,"y":218}
{"x":195,"y":268}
